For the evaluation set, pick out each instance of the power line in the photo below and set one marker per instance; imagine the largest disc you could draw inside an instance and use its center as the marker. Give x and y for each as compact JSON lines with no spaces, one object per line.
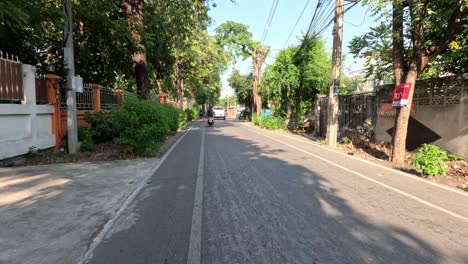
{"x":269,"y":15}
{"x":325,"y":10}
{"x":297,"y":22}
{"x":363,"y":20}
{"x":269,"y":20}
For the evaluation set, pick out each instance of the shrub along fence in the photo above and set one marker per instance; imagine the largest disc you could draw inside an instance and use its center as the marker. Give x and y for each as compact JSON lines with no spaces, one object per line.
{"x":33,"y":114}
{"x":138,"y":126}
{"x":94,"y":98}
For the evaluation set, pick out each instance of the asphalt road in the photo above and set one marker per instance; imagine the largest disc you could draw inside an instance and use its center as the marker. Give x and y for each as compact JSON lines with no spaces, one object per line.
{"x":253,"y":196}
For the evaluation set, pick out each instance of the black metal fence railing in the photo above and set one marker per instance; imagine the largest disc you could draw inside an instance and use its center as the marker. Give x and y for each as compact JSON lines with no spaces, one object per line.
{"x":108,"y":98}
{"x":84,"y":100}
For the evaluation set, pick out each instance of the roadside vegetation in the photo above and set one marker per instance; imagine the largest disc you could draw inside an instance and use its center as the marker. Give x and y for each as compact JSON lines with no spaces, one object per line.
{"x":142,"y":47}
{"x":429,"y":161}
{"x":138,"y":127}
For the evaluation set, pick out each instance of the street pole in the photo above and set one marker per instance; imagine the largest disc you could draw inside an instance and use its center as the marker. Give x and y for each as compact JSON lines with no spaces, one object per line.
{"x":69,"y":66}
{"x":332,"y":120}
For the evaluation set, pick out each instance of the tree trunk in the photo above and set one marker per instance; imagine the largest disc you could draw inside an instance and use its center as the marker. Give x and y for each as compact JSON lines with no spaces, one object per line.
{"x":134,"y":12}
{"x":179,"y":84}
{"x":258,"y":56}
{"x":141,"y":76}
{"x":288,"y":113}
{"x":421,"y":56}
{"x":158,"y":83}
{"x":398,"y":59}
{"x":401,"y":128}
{"x":180,"y":94}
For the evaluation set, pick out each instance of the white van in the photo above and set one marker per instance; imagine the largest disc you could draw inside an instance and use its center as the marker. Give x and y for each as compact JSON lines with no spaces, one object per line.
{"x":219,"y":112}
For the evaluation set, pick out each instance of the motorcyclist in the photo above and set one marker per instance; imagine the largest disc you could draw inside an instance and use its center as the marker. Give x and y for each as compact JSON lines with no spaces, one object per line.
{"x":209,"y":113}
{"x":210,"y":116}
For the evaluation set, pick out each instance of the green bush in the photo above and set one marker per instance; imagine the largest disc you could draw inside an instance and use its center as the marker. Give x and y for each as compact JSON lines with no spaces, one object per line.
{"x":431,"y":160}
{"x":192,"y":113}
{"x":453,"y":157}
{"x":177,"y":117}
{"x":273,"y":123}
{"x":256,"y":120}
{"x":85,"y":136}
{"x":139,"y":126}
{"x":144,"y":125}
{"x":87,"y":146}
{"x":345,"y":140}
{"x":182,"y":119}
{"x":104,"y":125}
{"x":171,"y":115}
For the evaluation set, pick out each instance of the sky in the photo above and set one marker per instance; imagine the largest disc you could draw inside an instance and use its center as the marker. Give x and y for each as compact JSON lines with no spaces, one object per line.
{"x":254,"y":13}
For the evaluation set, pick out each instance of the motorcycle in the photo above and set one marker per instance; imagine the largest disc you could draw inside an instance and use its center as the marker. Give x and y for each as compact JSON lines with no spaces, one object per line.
{"x":210,"y":121}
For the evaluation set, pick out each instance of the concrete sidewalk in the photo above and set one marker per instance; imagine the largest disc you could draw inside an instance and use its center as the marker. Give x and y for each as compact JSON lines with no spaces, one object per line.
{"x":49,"y":214}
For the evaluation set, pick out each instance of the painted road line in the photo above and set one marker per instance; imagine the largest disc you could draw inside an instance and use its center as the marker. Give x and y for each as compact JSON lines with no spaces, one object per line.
{"x":194,"y":253}
{"x":376,"y":165}
{"x":448,"y":212}
{"x":101,"y":235}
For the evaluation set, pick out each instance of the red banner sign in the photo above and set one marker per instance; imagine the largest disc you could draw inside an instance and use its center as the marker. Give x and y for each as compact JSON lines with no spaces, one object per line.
{"x":401,"y":94}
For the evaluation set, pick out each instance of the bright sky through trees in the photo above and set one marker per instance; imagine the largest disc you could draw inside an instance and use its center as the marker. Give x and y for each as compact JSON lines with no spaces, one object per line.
{"x":255,"y":13}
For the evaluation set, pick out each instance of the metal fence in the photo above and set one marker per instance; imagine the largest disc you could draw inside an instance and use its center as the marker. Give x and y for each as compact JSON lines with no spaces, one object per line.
{"x":41,"y":91}
{"x":11,"y":79}
{"x":356,"y":113}
{"x":356,"y":110}
{"x":108,"y":98}
{"x":84,"y":100}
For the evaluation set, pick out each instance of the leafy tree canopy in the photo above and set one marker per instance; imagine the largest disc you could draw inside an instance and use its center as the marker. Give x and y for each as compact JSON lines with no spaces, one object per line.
{"x":298,"y":74}
{"x":376,"y":46}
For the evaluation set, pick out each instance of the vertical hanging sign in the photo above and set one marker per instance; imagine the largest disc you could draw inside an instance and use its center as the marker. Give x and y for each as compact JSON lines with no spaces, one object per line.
{"x":401,"y":94}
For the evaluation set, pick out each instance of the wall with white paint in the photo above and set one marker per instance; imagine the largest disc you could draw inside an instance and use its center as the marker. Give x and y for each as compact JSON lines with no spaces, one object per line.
{"x":25,"y":125}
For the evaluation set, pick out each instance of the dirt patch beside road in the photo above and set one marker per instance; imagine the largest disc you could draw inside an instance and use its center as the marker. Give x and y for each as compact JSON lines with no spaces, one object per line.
{"x":456,"y":177}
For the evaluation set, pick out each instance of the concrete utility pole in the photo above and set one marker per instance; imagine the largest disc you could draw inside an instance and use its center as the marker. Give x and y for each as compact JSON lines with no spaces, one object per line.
{"x":69,"y":65}
{"x":332,"y":120}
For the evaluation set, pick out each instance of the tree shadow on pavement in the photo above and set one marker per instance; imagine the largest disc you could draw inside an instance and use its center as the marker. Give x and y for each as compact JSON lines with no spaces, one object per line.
{"x":261,"y":205}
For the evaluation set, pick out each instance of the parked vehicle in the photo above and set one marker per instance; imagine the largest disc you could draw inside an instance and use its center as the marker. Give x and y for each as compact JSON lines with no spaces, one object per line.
{"x":219,"y":112}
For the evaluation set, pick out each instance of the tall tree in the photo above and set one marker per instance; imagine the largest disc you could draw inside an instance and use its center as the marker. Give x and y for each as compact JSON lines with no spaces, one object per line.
{"x":298,"y":74}
{"x":237,"y":38}
{"x":134,"y":10}
{"x":242,"y":85}
{"x":434,"y":28}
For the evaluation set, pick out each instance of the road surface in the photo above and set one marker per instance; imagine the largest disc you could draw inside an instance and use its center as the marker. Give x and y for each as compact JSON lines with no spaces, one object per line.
{"x":234,"y":193}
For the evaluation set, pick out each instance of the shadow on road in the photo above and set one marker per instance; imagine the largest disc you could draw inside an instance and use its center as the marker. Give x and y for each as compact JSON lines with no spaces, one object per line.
{"x":259,"y":208}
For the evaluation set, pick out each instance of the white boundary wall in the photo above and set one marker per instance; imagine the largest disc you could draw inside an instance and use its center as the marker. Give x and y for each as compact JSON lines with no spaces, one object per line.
{"x":25,"y":125}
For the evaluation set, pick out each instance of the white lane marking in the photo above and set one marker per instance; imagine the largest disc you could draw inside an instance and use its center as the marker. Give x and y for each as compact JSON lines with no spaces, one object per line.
{"x":463,"y":218}
{"x":194,"y":253}
{"x":98,"y":239}
{"x":377,"y":165}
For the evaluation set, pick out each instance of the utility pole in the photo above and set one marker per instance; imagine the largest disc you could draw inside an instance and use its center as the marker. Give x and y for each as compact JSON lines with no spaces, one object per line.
{"x":332,"y":120}
{"x":69,"y":66}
